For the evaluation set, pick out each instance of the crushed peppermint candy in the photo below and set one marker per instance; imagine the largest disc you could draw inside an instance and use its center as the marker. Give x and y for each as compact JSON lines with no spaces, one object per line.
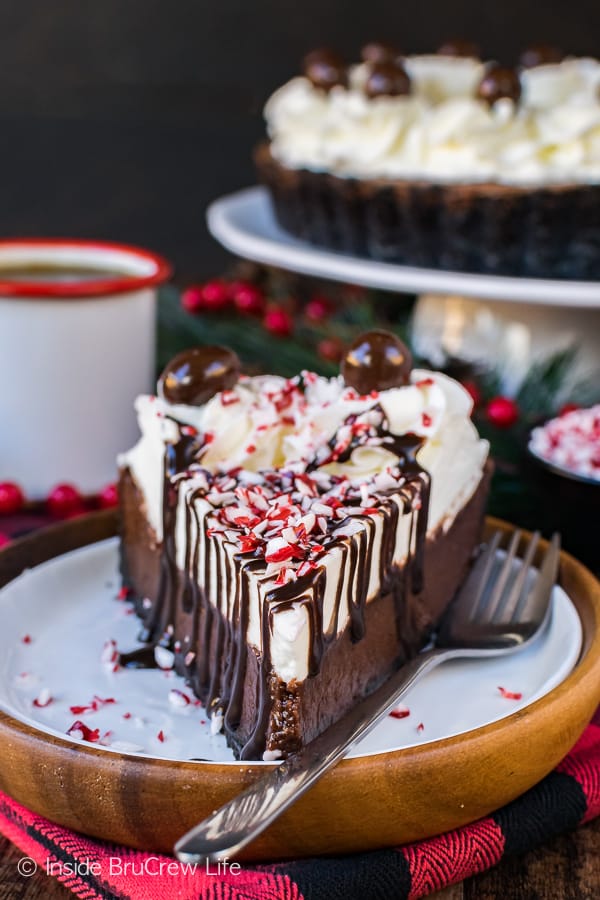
{"x":229,"y":397}
{"x":94,"y":705}
{"x":43,"y":699}
{"x":400,"y":712}
{"x":80,"y":731}
{"x":287,"y":517}
{"x":110,"y":656}
{"x":510,"y":695}
{"x":571,"y":442}
{"x":179,"y":698}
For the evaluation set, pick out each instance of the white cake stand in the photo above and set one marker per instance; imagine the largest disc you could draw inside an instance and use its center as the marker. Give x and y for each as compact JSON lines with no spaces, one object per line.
{"x":509,"y":322}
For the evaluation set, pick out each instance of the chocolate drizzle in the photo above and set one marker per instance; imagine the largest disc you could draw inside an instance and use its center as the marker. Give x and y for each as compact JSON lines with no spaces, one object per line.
{"x":240,"y":623}
{"x":211,"y":649}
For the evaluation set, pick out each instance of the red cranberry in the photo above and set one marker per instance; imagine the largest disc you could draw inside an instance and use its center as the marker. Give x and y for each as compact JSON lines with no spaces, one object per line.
{"x":215,"y":295}
{"x":502,"y":412}
{"x":192,"y":299}
{"x":4,"y":539}
{"x":317,"y":309}
{"x":247,"y":298}
{"x":278,"y":321}
{"x":64,"y":501}
{"x":108,"y":497}
{"x":11,"y":498}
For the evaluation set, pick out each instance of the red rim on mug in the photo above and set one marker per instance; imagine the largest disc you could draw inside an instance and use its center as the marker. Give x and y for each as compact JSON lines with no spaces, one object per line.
{"x":136,"y":268}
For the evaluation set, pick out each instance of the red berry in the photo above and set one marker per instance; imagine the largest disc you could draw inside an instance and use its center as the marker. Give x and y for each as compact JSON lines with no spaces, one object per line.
{"x":317,"y":309}
{"x":11,"y":498}
{"x":331,"y":349}
{"x":248,"y":298}
{"x":502,"y":412}
{"x":4,"y":539}
{"x":215,"y":295}
{"x":278,"y":321}
{"x":64,"y":501}
{"x":473,"y":391}
{"x":192,"y":299}
{"x":108,"y":497}
{"x":567,"y":408}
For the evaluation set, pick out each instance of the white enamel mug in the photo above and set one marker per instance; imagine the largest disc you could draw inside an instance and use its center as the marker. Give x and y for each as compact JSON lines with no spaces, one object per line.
{"x":77,"y":345}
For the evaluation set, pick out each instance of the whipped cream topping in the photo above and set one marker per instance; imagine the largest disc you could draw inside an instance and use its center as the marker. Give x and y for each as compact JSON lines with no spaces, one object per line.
{"x":571,"y":442}
{"x":288,"y":472}
{"x":441,"y":132}
{"x":268,"y":422}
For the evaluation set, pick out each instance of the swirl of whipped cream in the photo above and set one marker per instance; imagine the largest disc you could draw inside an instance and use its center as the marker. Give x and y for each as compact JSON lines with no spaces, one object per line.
{"x":442,"y":132}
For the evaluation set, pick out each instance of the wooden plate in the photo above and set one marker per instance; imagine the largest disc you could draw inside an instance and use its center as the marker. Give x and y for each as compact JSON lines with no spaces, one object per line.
{"x":366,"y":802}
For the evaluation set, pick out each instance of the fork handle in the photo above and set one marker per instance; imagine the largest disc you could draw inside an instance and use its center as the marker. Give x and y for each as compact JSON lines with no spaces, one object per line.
{"x":227,"y":830}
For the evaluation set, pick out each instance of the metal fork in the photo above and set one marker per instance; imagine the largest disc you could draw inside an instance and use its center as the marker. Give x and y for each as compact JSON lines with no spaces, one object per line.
{"x":500,"y":608}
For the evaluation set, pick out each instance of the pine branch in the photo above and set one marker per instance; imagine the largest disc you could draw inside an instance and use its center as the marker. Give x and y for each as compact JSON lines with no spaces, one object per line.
{"x":258,"y":349}
{"x":544,"y":389}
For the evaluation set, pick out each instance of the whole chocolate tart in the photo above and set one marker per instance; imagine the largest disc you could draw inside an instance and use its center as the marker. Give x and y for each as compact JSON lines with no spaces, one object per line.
{"x":443,"y":162}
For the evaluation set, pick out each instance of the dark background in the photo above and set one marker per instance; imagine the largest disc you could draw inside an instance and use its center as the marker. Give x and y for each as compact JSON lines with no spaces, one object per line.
{"x":122,"y":119}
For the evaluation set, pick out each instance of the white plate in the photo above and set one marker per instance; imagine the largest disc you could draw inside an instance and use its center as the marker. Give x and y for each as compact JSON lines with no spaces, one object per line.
{"x":244,"y":223}
{"x":57,"y":617}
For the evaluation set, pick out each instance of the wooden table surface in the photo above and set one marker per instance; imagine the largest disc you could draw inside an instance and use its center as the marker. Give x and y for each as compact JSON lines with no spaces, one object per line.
{"x":566,"y":868}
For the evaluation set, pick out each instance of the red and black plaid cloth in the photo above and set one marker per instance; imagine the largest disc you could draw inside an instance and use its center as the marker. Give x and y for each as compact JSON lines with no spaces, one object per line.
{"x":566,"y":798}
